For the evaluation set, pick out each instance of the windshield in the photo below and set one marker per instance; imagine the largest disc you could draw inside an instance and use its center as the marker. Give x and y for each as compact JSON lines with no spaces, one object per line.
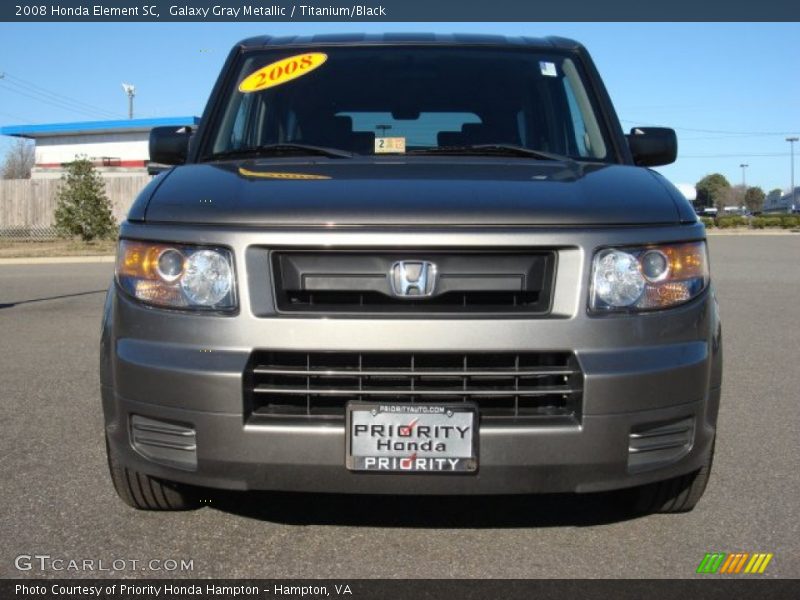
{"x":374,"y":100}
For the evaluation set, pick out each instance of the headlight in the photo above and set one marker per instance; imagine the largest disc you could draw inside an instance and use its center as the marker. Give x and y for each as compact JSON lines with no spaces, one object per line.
{"x":177,"y":275}
{"x":648,"y":278}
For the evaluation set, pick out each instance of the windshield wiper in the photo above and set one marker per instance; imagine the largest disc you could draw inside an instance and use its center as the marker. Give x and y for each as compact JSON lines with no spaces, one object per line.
{"x":495,"y":149}
{"x":280,"y":149}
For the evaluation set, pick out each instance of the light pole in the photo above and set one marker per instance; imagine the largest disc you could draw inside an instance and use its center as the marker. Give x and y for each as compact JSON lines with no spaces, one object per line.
{"x":130,"y":90}
{"x":744,"y":182}
{"x":791,"y":141}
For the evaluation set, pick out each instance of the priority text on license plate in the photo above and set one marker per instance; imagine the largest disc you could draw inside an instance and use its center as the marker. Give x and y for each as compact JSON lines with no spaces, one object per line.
{"x":418,"y":438}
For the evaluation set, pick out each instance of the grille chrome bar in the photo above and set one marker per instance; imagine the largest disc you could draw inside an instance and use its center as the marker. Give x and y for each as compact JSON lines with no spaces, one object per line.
{"x":544,"y":372}
{"x":417,"y":391}
{"x":659,"y":446}
{"x":660,"y":432}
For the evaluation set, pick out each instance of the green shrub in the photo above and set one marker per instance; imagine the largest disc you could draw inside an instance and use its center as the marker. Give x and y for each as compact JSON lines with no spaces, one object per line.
{"x":83,"y":208}
{"x":785,"y":221}
{"x":732,"y":221}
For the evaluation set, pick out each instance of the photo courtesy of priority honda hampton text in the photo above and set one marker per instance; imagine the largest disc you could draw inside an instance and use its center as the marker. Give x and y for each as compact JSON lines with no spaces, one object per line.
{"x":411,"y":264}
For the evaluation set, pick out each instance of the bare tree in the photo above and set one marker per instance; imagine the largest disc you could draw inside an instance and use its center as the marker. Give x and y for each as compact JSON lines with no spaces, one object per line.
{"x":733,"y":196}
{"x":18,"y":161}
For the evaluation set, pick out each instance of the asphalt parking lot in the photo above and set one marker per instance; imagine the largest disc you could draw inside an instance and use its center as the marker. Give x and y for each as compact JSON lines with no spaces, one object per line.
{"x":56,"y":498}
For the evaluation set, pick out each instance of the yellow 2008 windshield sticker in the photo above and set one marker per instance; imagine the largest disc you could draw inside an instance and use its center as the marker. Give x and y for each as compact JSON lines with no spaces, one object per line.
{"x":282,"y":71}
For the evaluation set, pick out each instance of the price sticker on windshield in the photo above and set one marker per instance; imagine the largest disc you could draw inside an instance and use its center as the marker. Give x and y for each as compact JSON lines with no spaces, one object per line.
{"x":390,"y":145}
{"x":282,"y":71}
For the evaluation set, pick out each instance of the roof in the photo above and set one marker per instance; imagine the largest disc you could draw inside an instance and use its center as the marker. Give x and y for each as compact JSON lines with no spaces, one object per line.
{"x":409,"y":38}
{"x":126,"y":125}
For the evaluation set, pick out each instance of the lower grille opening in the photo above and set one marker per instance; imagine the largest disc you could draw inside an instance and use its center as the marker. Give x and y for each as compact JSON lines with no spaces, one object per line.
{"x":503,"y":385}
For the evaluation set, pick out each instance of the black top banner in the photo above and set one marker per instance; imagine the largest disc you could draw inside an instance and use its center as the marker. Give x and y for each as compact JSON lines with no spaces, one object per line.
{"x":398,"y":10}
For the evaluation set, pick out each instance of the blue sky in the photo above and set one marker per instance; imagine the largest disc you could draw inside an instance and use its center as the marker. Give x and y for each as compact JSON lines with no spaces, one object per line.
{"x":730,"y":90}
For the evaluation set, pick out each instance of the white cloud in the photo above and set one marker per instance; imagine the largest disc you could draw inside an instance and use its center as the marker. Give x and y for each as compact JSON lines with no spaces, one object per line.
{"x":688,"y":190}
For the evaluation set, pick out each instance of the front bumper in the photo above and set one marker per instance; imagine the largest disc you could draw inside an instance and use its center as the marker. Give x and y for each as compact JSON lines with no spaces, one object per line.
{"x":640,"y":373}
{"x":589,"y":458}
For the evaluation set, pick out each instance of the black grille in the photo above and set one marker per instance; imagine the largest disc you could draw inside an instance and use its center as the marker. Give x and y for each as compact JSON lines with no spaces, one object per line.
{"x":480,"y":283}
{"x":504,"y":385}
{"x":377,"y":302}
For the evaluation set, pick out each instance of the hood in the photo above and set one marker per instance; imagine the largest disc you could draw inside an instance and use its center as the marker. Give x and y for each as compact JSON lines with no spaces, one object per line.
{"x":415,"y":191}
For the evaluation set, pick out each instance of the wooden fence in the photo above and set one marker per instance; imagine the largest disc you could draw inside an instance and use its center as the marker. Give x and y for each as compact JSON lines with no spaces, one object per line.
{"x":27,"y":206}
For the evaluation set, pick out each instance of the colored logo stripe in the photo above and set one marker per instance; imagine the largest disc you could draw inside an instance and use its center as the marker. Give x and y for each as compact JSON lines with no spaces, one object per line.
{"x":711,"y":562}
{"x":758,"y":563}
{"x":734,"y":563}
{"x":723,"y":563}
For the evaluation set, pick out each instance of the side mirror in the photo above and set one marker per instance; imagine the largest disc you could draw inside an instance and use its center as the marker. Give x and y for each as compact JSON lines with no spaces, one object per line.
{"x":653,"y":146}
{"x":169,"y":145}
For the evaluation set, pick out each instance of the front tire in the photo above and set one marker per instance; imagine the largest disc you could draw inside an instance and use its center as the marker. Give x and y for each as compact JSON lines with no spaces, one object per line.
{"x":680,"y":494}
{"x":144,"y":492}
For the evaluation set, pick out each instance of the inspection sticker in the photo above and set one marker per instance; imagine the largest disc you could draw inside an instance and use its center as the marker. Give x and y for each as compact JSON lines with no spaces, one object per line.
{"x":386,"y":145}
{"x":548,"y":69}
{"x":282,"y":71}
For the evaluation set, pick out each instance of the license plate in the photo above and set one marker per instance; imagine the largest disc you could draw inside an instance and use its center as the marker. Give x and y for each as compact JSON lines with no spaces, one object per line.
{"x":412,"y":438}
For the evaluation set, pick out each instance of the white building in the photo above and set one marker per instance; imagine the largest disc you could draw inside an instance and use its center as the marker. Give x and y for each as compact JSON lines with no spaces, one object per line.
{"x":115,"y":147}
{"x":784,"y":203}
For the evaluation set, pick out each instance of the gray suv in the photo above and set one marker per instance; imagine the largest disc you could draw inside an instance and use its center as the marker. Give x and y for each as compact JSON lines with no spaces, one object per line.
{"x":411,"y":264}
